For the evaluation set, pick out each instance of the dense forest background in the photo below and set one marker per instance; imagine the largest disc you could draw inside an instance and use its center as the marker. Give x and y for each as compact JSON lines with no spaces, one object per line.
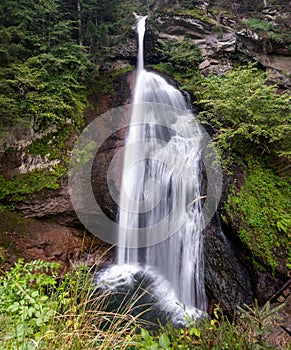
{"x":49,"y":51}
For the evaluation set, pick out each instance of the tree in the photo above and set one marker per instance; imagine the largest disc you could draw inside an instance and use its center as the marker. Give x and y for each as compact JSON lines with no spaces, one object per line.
{"x":43,"y":77}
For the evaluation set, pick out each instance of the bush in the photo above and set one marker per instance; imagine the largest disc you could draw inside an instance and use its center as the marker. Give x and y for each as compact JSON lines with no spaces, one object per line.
{"x":243,"y":110}
{"x":37,"y":312}
{"x":25,"y":302}
{"x":179,"y":59}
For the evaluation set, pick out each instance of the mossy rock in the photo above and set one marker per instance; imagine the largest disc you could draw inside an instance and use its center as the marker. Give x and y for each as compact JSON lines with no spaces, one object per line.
{"x":259,"y":212}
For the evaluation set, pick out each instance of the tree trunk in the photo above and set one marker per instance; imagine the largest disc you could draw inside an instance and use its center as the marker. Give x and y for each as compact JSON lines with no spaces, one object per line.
{"x":79,"y":23}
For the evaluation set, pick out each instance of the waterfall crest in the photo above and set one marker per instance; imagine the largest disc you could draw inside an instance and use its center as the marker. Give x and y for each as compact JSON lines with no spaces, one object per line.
{"x":160,"y":208}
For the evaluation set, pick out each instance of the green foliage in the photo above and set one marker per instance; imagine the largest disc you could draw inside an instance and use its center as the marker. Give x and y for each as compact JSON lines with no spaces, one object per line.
{"x":36,"y":312}
{"x":262,"y":205}
{"x":47,"y":90}
{"x":183,"y":55}
{"x":49,"y":50}
{"x":180,"y":59}
{"x":44,"y":314}
{"x":244,"y":110}
{"x":153,"y":343}
{"x":260,"y":25}
{"x":44,"y":73}
{"x":260,"y":320}
{"x":248,"y":331}
{"x":103,"y":24}
{"x":25,"y":302}
{"x":106,"y":83}
{"x":54,"y":144}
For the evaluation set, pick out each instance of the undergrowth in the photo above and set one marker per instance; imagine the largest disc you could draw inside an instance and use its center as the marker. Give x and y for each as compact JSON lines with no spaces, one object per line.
{"x":40,"y":310}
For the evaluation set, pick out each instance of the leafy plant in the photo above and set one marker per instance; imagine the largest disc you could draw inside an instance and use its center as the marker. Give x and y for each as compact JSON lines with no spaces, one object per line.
{"x":24,"y":298}
{"x":259,"y":320}
{"x":218,"y":333}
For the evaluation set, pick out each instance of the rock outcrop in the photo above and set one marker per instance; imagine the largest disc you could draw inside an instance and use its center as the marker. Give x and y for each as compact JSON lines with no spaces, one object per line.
{"x":44,"y":239}
{"x":222,"y":39}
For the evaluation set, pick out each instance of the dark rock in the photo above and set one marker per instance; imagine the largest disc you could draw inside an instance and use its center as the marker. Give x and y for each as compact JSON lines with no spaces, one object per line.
{"x":228,"y":281}
{"x":181,"y":25}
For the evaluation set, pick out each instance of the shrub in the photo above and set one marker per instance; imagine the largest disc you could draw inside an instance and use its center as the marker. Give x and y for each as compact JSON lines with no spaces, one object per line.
{"x":243,"y":110}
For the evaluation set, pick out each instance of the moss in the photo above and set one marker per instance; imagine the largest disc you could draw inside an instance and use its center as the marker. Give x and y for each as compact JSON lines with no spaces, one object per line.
{"x":12,"y":191}
{"x":105,"y":83}
{"x":195,"y":13}
{"x":259,"y":210}
{"x":54,"y":146}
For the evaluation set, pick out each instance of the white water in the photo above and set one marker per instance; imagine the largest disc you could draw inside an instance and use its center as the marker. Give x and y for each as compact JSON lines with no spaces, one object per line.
{"x":160,"y":230}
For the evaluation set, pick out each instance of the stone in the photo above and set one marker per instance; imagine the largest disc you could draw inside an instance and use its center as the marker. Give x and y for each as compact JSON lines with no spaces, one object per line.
{"x":204,"y":65}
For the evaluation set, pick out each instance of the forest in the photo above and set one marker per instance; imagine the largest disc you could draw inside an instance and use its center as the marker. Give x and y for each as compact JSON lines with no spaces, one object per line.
{"x":65,"y":63}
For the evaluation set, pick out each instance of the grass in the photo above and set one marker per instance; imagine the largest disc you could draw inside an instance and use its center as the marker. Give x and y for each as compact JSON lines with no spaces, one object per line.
{"x":36,"y":311}
{"x":41,"y":310}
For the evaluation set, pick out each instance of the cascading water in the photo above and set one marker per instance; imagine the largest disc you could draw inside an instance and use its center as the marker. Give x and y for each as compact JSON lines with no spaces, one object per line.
{"x":160,"y":219}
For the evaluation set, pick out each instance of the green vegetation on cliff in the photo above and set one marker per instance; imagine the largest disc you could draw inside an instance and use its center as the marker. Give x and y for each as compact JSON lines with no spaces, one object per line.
{"x":50,"y":55}
{"x":259,"y":211}
{"x":179,"y":59}
{"x":249,"y":118}
{"x":243,"y":110}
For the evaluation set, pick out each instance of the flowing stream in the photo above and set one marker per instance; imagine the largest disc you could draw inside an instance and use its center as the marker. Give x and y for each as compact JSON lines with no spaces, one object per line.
{"x":160,"y":215}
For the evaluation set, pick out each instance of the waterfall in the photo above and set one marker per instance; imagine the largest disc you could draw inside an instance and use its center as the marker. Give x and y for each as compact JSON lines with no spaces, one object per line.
{"x":141,"y":26}
{"x":160,"y":219}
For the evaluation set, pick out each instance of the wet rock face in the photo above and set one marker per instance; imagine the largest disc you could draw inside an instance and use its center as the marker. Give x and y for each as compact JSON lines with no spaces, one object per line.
{"x":231,"y":278}
{"x":228,"y":281}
